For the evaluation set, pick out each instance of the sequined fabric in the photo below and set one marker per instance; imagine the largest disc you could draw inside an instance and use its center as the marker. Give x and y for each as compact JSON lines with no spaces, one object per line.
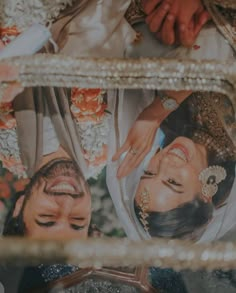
{"x":95,"y":285}
{"x":57,"y":271}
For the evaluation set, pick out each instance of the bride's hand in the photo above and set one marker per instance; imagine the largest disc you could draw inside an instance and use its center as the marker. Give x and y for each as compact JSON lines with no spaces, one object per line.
{"x":138,"y":143}
{"x":9,"y":88}
{"x":141,"y":136}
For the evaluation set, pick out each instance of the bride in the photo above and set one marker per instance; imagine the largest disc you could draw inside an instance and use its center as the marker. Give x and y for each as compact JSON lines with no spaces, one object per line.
{"x":178,"y":185}
{"x":185,"y":179}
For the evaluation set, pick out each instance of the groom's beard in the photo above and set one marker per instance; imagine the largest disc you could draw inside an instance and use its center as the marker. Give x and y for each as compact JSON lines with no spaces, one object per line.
{"x":59,"y":177}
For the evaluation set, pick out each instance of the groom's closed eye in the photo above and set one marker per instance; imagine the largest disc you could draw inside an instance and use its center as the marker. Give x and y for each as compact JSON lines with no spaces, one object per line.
{"x":45,"y":224}
{"x":45,"y":220}
{"x":51,"y":224}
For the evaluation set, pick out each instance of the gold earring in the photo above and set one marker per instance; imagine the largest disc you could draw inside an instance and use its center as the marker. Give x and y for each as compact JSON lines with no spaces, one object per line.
{"x":210,"y":178}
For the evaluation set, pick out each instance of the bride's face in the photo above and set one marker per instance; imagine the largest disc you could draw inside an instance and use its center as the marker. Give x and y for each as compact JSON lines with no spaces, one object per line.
{"x":175,"y":171}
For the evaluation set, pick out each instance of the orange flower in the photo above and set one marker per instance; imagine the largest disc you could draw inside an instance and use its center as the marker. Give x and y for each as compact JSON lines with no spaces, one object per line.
{"x":6,"y":108}
{"x":11,"y":30}
{"x":7,"y":32}
{"x":5,"y":190}
{"x":9,"y":176}
{"x":87,"y":104}
{"x":20,"y":185}
{"x":85,"y":94}
{"x":7,"y":121}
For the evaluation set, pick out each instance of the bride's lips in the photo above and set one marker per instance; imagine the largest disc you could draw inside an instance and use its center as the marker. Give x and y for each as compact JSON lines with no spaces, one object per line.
{"x":64,"y":184}
{"x":179,"y":151}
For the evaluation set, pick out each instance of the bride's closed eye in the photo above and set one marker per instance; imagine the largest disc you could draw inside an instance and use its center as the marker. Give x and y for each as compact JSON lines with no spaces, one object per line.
{"x":149,"y":173}
{"x":173,"y":182}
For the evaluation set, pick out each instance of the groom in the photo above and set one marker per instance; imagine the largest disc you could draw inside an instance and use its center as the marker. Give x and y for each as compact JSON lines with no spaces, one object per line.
{"x":55,"y":204}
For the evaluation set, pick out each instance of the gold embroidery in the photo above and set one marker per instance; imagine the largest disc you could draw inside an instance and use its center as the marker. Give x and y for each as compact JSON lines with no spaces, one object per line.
{"x":135,"y":12}
{"x":224,"y":15}
{"x":215,"y":113}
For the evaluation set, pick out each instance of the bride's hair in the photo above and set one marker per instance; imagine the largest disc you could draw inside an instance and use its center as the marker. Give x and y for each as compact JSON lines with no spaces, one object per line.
{"x":183,"y":222}
{"x":188,"y":219}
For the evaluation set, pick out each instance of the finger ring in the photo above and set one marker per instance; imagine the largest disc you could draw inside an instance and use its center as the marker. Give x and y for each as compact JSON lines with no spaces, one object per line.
{"x":133,"y":151}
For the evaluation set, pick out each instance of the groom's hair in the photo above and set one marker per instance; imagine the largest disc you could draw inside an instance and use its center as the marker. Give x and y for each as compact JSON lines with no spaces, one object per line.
{"x":15,"y":226}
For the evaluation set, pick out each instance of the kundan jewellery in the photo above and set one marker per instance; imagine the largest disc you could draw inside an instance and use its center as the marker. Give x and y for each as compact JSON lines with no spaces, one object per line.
{"x":144,"y":205}
{"x":210,"y":178}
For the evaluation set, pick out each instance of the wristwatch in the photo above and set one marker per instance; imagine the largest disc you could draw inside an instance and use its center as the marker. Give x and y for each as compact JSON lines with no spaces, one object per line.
{"x":168,"y":103}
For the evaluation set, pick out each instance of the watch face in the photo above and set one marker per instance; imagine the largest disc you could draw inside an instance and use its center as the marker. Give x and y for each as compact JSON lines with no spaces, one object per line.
{"x":170,"y":104}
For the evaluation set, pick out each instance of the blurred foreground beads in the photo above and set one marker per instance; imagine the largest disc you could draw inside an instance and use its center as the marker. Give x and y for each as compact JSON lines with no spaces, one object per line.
{"x":176,"y":254}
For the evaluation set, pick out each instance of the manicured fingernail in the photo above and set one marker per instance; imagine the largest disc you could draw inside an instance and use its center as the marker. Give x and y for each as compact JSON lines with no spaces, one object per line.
{"x":166,"y":7}
{"x":204,"y":20}
{"x":145,"y":7}
{"x":170,"y":16}
{"x":182,"y":27}
{"x":170,"y":41}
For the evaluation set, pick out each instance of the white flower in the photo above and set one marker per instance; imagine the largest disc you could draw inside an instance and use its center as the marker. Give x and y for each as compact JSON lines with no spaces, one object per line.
{"x":24,"y":13}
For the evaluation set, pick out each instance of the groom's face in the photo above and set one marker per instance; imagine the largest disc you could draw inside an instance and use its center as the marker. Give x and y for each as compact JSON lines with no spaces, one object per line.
{"x":57,"y":204}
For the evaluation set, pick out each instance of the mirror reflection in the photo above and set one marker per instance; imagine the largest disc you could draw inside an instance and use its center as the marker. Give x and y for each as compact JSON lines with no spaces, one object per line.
{"x":170,"y":168}
{"x":87,"y":162}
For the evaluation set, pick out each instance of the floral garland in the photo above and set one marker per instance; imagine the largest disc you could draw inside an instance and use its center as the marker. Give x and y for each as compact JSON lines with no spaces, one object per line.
{"x":10,"y":154}
{"x":24,"y":12}
{"x":7,"y":34}
{"x":89,"y":109}
{"x":12,"y":172}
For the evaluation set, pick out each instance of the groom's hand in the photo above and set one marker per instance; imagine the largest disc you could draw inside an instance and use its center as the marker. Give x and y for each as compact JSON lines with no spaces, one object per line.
{"x":176,"y":21}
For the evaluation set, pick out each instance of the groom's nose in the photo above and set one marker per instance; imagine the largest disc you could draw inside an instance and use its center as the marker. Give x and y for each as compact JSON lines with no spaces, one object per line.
{"x":65,"y":202}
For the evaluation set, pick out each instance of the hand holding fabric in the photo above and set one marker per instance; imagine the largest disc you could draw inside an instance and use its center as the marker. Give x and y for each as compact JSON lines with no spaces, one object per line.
{"x":176,"y":21}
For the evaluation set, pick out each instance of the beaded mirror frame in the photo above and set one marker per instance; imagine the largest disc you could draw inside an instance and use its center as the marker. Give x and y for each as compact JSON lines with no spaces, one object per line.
{"x":47,"y":70}
{"x":107,"y":279}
